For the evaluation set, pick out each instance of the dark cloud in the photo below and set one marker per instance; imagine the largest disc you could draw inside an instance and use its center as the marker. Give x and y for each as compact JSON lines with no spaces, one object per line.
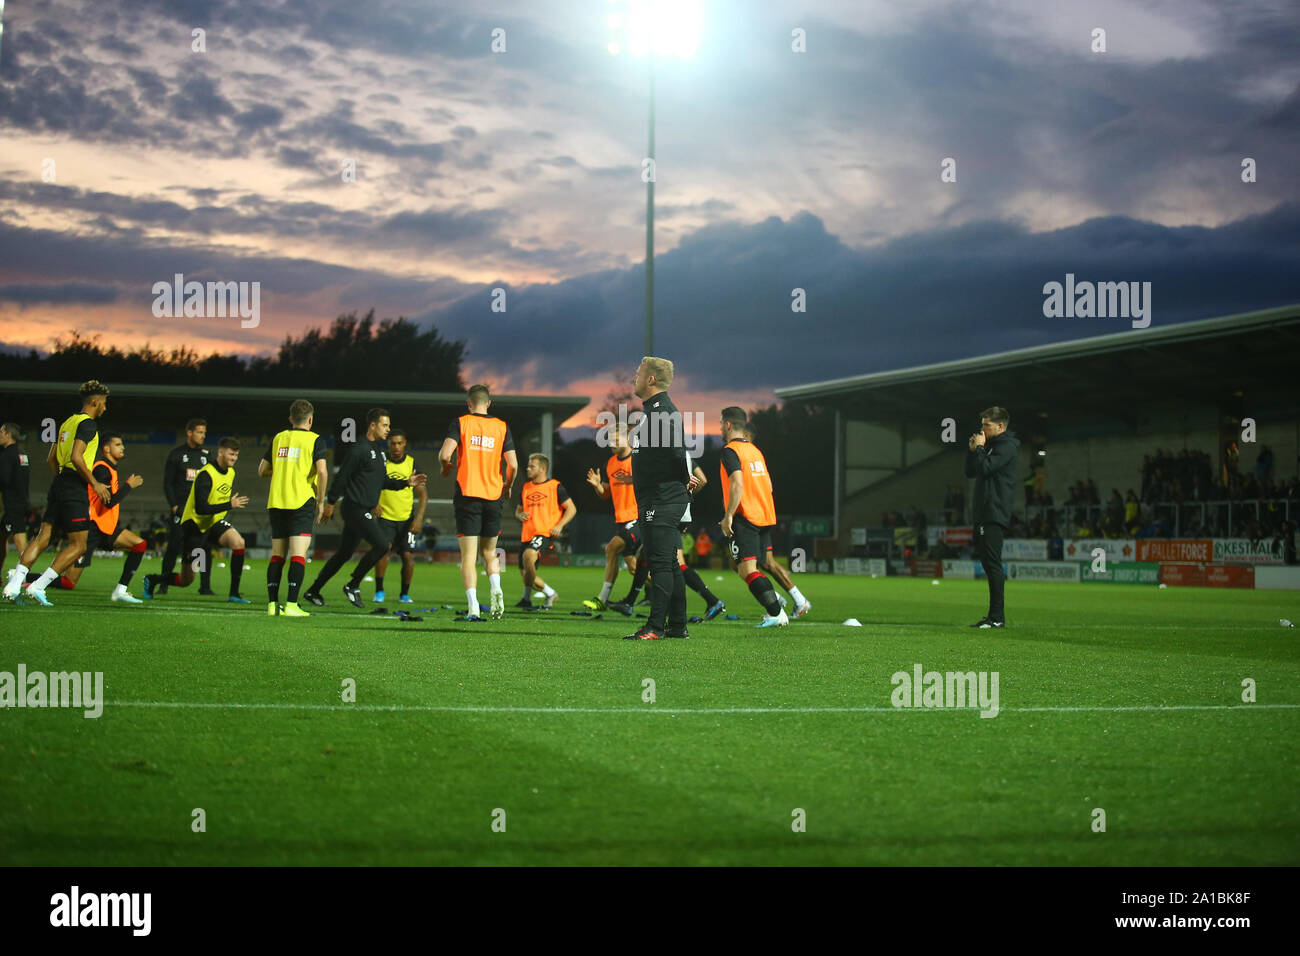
{"x":131,"y":263}
{"x":298,"y":158}
{"x":468,"y":234}
{"x":152,"y":88}
{"x":199,"y":100}
{"x":60,"y":293}
{"x":437,"y":225}
{"x":259,"y":117}
{"x":113,"y":44}
{"x":723,"y":297}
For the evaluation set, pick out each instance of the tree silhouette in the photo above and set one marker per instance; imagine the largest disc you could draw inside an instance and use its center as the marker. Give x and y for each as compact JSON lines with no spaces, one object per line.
{"x":351,"y":353}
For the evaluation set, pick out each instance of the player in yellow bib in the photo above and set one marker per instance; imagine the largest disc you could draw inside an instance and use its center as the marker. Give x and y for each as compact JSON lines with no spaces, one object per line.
{"x":295,"y":463}
{"x":401,"y":514}
{"x":70,"y":460}
{"x":205,"y":525}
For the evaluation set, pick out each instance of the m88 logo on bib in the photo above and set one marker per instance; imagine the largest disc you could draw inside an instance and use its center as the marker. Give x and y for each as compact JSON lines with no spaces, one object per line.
{"x":487,"y":442}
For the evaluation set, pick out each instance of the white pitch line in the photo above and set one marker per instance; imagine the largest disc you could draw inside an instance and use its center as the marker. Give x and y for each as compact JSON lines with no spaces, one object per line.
{"x":472,"y":709}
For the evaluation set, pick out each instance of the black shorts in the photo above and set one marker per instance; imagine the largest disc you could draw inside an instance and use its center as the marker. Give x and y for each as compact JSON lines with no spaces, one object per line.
{"x":68,"y":507}
{"x":749,"y":542}
{"x":14,"y":521}
{"x":630,"y":532}
{"x":196,"y":538}
{"x":477,"y":517}
{"x":97,"y":540}
{"x":398,"y":532}
{"x":291,"y":522}
{"x":539,"y":543}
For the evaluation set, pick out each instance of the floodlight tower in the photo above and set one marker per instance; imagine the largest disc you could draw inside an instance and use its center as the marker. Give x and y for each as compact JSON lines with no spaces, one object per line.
{"x":650,"y":29}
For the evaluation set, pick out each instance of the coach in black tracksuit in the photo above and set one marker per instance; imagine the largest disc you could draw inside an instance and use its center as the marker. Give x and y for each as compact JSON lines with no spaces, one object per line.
{"x":659,"y":478}
{"x":183,"y":465}
{"x":15,"y":475}
{"x":363,"y":475}
{"x":991,"y":461}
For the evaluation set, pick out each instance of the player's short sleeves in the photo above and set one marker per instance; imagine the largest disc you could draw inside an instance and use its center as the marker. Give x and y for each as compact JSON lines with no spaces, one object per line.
{"x":453,"y":431}
{"x":560,"y":494}
{"x":508,"y":444}
{"x":86,"y":430}
{"x":730,"y":461}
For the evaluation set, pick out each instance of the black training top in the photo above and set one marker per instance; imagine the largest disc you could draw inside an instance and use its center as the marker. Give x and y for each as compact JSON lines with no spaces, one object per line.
{"x":659,"y":473}
{"x":364,"y":474}
{"x":15,"y":476}
{"x":183,"y":464}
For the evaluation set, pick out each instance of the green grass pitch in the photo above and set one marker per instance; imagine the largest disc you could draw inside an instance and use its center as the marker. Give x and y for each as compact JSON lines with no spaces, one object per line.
{"x":1120,"y":697}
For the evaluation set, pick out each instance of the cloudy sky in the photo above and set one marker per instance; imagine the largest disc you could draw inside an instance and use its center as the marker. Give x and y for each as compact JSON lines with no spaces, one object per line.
{"x":128,"y":156}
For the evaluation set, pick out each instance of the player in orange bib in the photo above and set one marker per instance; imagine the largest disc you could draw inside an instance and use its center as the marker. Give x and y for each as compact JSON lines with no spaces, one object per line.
{"x":773,"y":567}
{"x":107,"y":530}
{"x":544,"y":508}
{"x":750,"y":514}
{"x":477,"y":443}
{"x":617,"y":486}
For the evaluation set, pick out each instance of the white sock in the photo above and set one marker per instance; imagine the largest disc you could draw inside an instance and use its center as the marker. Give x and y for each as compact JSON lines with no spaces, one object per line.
{"x":494,"y":583}
{"x":21,"y":571}
{"x":605,"y":589}
{"x":471,"y":598}
{"x":120,"y":589}
{"x":45,"y":580}
{"x":548,"y":591}
{"x":798,"y":598}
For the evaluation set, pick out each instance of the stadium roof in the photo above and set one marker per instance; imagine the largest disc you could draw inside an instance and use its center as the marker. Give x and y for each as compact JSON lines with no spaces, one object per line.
{"x":248,"y":410}
{"x":1252,"y":354}
{"x":561,"y":405}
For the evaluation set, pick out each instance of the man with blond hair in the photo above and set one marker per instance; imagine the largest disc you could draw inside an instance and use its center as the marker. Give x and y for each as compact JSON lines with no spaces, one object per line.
{"x":663,"y":483}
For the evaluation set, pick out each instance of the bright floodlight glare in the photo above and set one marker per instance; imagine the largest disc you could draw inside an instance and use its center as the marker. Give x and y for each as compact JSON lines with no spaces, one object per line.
{"x":664,"y":27}
{"x":612,"y":47}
